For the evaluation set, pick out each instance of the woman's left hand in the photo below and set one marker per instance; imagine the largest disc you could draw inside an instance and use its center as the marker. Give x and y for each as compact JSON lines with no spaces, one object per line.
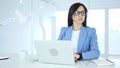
{"x":76,"y":56}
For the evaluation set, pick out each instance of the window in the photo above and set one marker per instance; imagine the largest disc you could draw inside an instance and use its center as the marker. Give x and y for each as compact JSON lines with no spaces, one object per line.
{"x":61,"y":21}
{"x":96,"y":19}
{"x":114,"y":31}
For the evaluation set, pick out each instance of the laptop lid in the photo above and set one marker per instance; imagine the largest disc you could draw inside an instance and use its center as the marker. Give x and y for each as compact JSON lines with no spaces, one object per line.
{"x":55,"y":51}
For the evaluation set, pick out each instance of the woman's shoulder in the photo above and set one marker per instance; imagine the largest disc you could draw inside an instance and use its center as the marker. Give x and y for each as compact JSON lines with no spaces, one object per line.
{"x":90,"y":28}
{"x":65,"y":28}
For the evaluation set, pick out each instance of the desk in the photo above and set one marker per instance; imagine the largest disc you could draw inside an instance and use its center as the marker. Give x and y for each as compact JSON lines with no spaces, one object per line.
{"x":15,"y":62}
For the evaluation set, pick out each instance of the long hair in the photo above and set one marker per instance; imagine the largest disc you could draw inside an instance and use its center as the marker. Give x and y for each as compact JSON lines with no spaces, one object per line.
{"x":72,"y":9}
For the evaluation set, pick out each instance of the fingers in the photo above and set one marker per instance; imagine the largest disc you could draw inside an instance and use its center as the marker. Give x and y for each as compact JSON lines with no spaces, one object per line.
{"x":76,"y":57}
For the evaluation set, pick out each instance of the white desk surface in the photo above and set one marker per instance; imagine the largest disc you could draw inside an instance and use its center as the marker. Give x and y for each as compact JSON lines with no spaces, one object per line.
{"x":15,"y":62}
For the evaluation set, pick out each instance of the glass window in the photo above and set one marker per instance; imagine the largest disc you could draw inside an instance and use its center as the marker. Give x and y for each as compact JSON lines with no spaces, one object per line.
{"x":61,"y":21}
{"x":96,"y":19}
{"x":114,"y":31}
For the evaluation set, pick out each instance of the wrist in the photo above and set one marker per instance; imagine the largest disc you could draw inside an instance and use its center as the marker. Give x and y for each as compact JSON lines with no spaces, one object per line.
{"x":80,"y":56}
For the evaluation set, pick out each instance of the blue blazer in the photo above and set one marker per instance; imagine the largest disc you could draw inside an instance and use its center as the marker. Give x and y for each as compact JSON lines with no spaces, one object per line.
{"x":87,"y":42}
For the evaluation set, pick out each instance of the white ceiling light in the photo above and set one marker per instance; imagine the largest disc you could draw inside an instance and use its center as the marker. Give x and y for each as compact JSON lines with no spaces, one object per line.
{"x":21,"y":1}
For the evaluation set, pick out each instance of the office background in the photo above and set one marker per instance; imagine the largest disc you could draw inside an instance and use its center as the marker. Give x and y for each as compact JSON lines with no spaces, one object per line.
{"x":23,"y":21}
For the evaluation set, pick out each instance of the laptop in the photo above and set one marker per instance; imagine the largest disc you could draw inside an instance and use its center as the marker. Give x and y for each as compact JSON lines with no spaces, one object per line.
{"x":55,"y":52}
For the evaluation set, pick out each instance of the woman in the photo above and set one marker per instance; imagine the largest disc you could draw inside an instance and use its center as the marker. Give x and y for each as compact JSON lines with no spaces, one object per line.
{"x":85,"y":38}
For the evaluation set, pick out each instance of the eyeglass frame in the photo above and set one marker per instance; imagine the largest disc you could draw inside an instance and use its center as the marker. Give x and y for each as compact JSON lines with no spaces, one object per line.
{"x":83,"y":13}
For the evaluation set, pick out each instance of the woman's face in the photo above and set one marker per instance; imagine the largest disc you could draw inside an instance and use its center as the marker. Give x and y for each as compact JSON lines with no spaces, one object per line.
{"x":79,"y":15}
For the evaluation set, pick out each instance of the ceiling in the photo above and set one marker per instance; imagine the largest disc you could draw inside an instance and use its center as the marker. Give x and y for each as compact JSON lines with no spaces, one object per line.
{"x":62,"y":4}
{"x":65,"y":4}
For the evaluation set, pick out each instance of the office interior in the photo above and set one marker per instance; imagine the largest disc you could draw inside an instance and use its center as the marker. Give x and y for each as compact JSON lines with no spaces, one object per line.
{"x":23,"y":21}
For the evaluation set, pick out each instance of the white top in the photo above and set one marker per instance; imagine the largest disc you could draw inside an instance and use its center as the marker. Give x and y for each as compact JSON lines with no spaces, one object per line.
{"x":75,"y":36}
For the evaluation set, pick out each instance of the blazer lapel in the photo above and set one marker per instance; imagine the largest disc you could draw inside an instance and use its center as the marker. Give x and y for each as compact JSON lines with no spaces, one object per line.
{"x":69,"y":33}
{"x":82,"y":38}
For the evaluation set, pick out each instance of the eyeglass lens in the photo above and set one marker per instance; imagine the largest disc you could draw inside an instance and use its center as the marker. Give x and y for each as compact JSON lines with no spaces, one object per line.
{"x":80,"y":12}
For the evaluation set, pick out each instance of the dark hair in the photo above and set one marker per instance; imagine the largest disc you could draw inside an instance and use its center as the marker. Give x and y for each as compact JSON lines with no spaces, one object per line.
{"x":72,"y":9}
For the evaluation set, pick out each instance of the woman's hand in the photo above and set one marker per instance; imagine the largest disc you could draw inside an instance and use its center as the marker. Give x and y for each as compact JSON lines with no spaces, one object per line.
{"x":76,"y":56}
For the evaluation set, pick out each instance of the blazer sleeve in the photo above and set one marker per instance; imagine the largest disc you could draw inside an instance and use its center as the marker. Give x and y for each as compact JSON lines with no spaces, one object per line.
{"x":94,"y":52}
{"x":62,"y":33}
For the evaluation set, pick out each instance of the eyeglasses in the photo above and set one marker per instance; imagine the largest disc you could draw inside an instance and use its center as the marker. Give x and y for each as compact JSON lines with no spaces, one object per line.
{"x":79,"y":12}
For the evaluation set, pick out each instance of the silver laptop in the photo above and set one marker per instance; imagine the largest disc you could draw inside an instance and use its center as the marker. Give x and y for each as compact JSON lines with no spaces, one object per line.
{"x":55,"y":52}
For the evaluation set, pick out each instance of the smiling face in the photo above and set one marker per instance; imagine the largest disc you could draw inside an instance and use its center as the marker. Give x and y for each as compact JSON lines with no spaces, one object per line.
{"x":79,"y":16}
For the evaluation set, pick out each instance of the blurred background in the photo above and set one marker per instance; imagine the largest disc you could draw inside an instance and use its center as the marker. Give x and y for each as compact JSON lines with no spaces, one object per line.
{"x":23,"y":21}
